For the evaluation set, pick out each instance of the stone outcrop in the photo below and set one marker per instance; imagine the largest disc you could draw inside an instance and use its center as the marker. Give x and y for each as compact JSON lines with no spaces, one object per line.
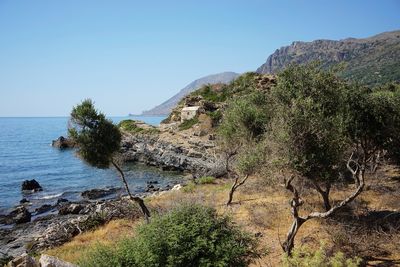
{"x":99,"y":193}
{"x":172,"y":150}
{"x":45,"y":261}
{"x":50,"y":261}
{"x":23,"y":261}
{"x":31,"y":185}
{"x":54,"y":230}
{"x":18,"y":216}
{"x":63,"y":143}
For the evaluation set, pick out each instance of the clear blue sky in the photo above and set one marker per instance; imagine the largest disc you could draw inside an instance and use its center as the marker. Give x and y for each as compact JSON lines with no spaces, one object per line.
{"x":131,"y":55}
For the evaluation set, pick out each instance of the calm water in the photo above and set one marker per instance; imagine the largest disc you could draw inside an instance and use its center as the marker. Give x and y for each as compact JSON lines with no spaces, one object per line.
{"x":25,"y":153}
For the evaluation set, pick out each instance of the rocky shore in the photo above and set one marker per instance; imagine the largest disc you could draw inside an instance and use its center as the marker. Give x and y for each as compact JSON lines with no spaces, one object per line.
{"x":190,"y":151}
{"x":65,"y":219}
{"x":174,"y":150}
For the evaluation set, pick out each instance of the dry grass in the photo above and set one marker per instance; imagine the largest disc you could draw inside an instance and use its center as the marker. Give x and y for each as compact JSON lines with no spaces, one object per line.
{"x":80,"y":244}
{"x":264,"y":211}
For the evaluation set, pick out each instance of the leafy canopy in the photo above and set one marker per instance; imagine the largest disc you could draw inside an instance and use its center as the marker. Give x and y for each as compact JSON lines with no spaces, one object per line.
{"x":308,"y":124}
{"x":98,"y":139}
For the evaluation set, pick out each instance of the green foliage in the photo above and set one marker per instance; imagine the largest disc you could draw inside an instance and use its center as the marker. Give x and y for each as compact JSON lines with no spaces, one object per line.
{"x":211,"y":95}
{"x":250,"y":159}
{"x":373,"y":118}
{"x":130,"y":126}
{"x":216,"y":117}
{"x":98,"y":139}
{"x":304,"y":257}
{"x":190,"y":235}
{"x":206,"y":180}
{"x":308,"y":126}
{"x":187,"y":124}
{"x":245,"y":119}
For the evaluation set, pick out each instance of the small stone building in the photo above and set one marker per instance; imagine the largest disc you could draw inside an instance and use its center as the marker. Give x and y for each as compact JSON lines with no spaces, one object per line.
{"x":188,"y":113}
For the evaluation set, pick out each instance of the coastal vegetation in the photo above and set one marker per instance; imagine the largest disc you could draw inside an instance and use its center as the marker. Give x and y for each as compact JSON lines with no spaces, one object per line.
{"x":188,"y":235}
{"x":305,"y":151}
{"x":98,"y":141}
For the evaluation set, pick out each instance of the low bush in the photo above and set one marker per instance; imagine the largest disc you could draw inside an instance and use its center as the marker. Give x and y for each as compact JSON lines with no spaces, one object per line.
{"x":130,"y":126}
{"x":206,"y":180}
{"x":190,"y":235}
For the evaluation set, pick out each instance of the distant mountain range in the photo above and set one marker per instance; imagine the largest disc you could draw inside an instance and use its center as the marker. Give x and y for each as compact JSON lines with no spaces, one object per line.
{"x":371,"y":61}
{"x":166,"y":107}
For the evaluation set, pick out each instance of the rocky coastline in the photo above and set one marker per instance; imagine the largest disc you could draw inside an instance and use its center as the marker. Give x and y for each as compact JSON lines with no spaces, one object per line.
{"x":173,"y":150}
{"x":51,"y":225}
{"x":66,"y":219}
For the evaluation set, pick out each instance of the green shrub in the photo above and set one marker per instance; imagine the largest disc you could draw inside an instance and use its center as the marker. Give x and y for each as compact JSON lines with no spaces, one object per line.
{"x":130,"y":126}
{"x":216,"y":117}
{"x":190,"y":235}
{"x":188,"y":123}
{"x":305,"y":257}
{"x":206,"y":180}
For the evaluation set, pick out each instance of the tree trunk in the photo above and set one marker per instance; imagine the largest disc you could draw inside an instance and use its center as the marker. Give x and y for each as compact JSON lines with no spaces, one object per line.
{"x":235,"y":186}
{"x":138,"y":200}
{"x":324,"y":193}
{"x":296,"y":202}
{"x":288,"y":245}
{"x":231,"y":192}
{"x":327,"y":203}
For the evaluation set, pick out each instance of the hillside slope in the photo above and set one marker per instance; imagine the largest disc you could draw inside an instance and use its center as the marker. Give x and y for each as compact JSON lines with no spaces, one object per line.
{"x":372,"y":60}
{"x":166,"y":107}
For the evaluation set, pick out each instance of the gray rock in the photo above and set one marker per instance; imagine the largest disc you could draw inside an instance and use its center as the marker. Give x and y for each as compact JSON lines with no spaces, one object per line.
{"x":50,"y":261}
{"x":18,"y":215}
{"x":70,"y":208}
{"x":197,"y":159}
{"x":23,"y":261}
{"x":99,"y":193}
{"x":44,"y":208}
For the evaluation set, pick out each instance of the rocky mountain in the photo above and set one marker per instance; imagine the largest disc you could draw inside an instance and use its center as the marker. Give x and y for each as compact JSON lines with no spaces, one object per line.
{"x":166,"y":107}
{"x":371,"y":61}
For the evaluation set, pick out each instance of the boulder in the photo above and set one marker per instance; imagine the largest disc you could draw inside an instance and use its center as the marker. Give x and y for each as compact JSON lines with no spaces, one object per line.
{"x":70,"y":208}
{"x":31,"y":185}
{"x":23,"y":261}
{"x":62,"y":143}
{"x":44,"y":208}
{"x":152,"y":188}
{"x":18,"y":216}
{"x":23,"y":201}
{"x":50,"y":261}
{"x":98,"y":193}
{"x":62,"y":200}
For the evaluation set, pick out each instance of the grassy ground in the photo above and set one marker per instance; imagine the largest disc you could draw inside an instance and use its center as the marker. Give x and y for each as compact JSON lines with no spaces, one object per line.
{"x":364,"y":229}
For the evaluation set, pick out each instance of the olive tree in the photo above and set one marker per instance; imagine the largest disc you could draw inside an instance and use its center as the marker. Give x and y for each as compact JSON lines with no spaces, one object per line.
{"x":319,"y":120}
{"x":373,"y":124}
{"x":242,"y":127}
{"x":98,"y":141}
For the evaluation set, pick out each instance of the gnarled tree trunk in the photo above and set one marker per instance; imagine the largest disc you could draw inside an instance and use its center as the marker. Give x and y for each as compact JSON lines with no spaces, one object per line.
{"x":138,"y":200}
{"x":296,"y":202}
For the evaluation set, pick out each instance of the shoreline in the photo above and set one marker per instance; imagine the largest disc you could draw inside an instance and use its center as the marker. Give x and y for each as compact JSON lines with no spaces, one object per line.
{"x":68,"y":220}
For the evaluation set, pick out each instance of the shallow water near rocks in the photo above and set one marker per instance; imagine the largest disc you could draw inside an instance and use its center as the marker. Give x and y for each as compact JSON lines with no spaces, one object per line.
{"x":26,"y":153}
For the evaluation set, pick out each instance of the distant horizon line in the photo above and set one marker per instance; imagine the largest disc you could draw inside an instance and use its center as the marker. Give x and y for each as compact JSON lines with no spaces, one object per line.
{"x":114,"y":116}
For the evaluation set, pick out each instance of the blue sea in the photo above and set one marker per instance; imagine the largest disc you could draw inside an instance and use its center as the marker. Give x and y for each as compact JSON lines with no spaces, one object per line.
{"x":26,"y":153}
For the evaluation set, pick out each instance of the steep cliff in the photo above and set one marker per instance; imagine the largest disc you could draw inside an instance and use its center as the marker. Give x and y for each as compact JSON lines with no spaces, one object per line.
{"x":373,"y":60}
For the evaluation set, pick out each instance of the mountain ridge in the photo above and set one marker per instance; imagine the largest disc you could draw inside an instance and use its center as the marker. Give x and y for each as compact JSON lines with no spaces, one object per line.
{"x":371,"y":60}
{"x":166,"y":107}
